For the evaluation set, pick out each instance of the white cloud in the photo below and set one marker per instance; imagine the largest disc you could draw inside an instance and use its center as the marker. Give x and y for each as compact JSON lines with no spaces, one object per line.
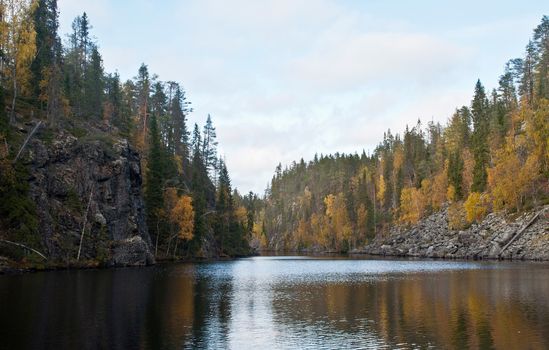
{"x":285,"y":79}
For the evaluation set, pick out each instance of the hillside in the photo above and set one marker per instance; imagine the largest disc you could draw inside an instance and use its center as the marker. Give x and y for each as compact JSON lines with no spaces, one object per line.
{"x":99,"y":171}
{"x":491,"y":156}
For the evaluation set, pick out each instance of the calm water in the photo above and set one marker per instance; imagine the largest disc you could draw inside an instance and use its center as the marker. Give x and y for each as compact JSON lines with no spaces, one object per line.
{"x":283,"y":303}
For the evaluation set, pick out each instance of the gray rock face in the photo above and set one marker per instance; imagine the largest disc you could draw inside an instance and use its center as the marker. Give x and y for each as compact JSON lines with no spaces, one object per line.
{"x":133,"y":251}
{"x":63,"y":174}
{"x":432,"y":238}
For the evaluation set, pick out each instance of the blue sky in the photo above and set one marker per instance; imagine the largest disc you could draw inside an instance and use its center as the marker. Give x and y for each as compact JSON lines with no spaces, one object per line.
{"x":285,"y":79}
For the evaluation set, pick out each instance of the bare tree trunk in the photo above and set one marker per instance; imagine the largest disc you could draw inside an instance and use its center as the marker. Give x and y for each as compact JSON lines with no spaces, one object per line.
{"x":27,"y":140}
{"x":12,"y":113}
{"x":175,"y":249}
{"x":156,"y":245}
{"x":24,"y":246}
{"x":84,"y":224}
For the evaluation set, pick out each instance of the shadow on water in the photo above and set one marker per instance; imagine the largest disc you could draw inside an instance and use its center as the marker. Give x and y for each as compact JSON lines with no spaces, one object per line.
{"x":283,"y":303}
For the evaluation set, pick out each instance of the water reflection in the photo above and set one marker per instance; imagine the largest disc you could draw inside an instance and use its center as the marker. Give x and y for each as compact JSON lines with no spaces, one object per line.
{"x":281,"y":303}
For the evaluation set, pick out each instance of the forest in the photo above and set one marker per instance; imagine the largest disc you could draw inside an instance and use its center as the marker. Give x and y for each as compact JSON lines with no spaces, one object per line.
{"x":492,"y":155}
{"x":62,"y":83}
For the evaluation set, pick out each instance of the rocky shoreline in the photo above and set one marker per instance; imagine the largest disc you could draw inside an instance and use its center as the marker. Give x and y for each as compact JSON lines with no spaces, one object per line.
{"x":498,"y":236}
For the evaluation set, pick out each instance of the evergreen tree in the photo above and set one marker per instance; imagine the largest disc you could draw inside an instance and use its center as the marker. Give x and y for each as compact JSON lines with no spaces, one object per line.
{"x":209,"y":145}
{"x":196,"y":142}
{"x":199,"y":184}
{"x":77,"y":60}
{"x":113,"y":103}
{"x":541,"y":44}
{"x":179,"y":109}
{"x":154,"y":180}
{"x":93,"y":86}
{"x":479,"y":109}
{"x":45,"y":68}
{"x":455,"y":170}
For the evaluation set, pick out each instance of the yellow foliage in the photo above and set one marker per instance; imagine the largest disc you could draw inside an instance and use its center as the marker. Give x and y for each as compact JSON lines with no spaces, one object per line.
{"x":329,"y":203}
{"x":179,"y":163}
{"x":321,"y":229}
{"x":381,"y":188}
{"x":182,"y":214}
{"x":18,"y":41}
{"x":398,"y":159}
{"x":242,"y":215}
{"x":414,"y":202}
{"x":476,"y":206}
{"x":451,"y":193}
{"x":412,"y":205}
{"x":508,"y":179}
{"x":302,"y":233}
{"x":361,"y":217}
{"x":537,"y":134}
{"x":339,"y":223}
{"x":467,"y":174}
{"x":439,"y":189}
{"x":457,"y":219}
{"x":259,"y":236}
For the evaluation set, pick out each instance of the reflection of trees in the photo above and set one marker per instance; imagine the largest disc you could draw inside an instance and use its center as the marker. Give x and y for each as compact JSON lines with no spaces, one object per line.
{"x":75,"y":309}
{"x":468,"y":309}
{"x":218,"y":305}
{"x":212,"y":306}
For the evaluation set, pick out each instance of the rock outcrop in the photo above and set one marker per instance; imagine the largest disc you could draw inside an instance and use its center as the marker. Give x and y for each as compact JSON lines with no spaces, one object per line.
{"x":70,"y":174}
{"x":497,"y":236}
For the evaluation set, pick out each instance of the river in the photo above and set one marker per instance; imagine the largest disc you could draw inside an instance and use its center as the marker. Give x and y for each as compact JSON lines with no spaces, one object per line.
{"x":281,"y":302}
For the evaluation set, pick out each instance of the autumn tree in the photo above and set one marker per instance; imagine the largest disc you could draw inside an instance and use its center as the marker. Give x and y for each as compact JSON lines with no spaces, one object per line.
{"x":18,"y":46}
{"x":46,"y":67}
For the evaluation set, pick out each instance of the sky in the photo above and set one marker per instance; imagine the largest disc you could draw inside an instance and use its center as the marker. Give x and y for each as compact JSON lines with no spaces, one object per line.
{"x":285,"y":79}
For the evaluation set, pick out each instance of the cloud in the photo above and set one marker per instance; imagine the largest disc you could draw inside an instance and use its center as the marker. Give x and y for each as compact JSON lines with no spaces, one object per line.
{"x":345,"y":61}
{"x":285,"y":79}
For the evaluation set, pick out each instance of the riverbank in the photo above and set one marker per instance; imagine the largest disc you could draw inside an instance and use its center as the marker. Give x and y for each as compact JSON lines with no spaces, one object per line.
{"x":10,"y":267}
{"x":497,"y":236}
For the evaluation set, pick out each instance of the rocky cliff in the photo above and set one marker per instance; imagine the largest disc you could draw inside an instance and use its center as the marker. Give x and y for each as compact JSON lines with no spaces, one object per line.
{"x":525,"y":237}
{"x":90,"y":185}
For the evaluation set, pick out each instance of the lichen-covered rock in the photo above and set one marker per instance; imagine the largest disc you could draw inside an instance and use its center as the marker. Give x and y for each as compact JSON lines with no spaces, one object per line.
{"x":431,"y":237}
{"x":65,"y":174}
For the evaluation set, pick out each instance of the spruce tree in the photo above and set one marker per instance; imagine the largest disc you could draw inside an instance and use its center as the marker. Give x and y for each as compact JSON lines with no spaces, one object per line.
{"x":154,"y":200}
{"x":480,"y":109}
{"x":45,"y":68}
{"x":93,"y":86}
{"x":455,"y":170}
{"x":113,"y":98}
{"x":209,"y":145}
{"x":179,"y":110}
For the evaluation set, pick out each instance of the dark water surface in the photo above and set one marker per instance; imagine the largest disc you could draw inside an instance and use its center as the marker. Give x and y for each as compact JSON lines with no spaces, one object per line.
{"x":281,"y":303}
